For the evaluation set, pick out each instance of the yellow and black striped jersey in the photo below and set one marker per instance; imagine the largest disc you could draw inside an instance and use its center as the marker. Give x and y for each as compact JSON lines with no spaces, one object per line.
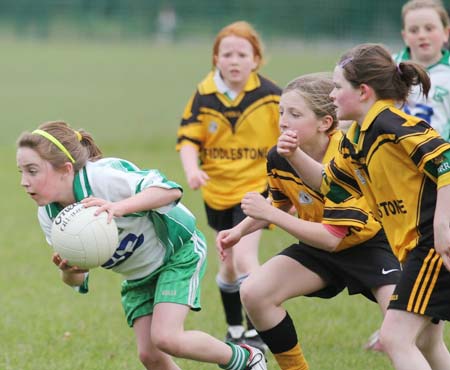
{"x":392,"y":160}
{"x":286,"y":188}
{"x":233,"y":137}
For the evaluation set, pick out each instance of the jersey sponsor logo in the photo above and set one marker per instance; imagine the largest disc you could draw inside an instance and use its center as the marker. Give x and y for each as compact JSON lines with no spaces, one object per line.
{"x":213,"y":127}
{"x":235,"y":153}
{"x":391,"y":208}
{"x":443,"y":168}
{"x":394,"y":297}
{"x":305,"y":198}
{"x":386,"y":272}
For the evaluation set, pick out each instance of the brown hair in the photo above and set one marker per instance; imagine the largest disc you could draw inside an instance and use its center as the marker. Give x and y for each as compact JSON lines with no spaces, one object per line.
{"x":373,"y":65}
{"x":426,"y":4}
{"x":246,"y":31}
{"x":315,"y":89}
{"x":79,"y":144}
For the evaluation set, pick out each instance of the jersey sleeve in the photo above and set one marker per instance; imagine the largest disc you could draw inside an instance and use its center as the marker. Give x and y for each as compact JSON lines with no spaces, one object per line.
{"x":338,"y":183}
{"x":275,"y":187}
{"x":191,"y":130}
{"x":119,"y":179}
{"x":423,"y":145}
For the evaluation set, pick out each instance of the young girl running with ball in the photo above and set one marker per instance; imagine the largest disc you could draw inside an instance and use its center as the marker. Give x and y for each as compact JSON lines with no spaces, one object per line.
{"x":161,"y":253}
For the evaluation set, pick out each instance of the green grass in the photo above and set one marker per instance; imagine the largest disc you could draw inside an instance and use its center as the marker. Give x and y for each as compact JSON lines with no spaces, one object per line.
{"x":131,"y":97}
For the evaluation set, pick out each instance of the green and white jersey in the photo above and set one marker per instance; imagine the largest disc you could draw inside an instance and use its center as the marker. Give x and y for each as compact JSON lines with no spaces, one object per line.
{"x":146,"y":239}
{"x":436,"y":109}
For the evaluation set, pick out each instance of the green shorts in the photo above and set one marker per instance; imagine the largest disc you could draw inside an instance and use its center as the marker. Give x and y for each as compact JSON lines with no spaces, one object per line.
{"x":176,"y":281}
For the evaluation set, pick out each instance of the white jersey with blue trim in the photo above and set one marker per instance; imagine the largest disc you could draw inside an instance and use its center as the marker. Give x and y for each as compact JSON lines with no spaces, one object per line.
{"x":146,"y":239}
{"x":436,"y":109}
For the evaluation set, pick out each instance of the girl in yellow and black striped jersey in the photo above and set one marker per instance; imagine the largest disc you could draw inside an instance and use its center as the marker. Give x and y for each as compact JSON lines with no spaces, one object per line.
{"x":228,"y":127}
{"x":402,"y":167}
{"x":340,"y":245}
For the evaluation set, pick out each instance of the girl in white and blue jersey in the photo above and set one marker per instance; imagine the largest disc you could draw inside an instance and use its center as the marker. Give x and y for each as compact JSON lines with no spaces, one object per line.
{"x":425,"y":32}
{"x":161,"y":253}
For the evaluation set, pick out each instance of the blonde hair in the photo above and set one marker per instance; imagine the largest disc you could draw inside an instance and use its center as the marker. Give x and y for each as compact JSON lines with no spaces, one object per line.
{"x":426,"y":4}
{"x":244,"y":30}
{"x":78,"y":143}
{"x":315,"y":89}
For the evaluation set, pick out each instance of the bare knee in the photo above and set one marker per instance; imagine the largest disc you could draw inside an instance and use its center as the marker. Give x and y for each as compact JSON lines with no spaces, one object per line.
{"x":168,"y":343}
{"x":152,"y":360}
{"x":252,"y":295}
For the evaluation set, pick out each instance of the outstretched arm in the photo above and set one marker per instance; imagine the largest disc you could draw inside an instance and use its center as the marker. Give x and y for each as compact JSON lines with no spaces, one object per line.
{"x":149,"y":198}
{"x":314,"y":234}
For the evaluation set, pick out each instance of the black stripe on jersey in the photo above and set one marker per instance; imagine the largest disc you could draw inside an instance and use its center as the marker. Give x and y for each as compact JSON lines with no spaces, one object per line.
{"x":214,"y":105}
{"x":427,"y":148}
{"x":183,"y":138}
{"x":343,"y":177}
{"x":277,"y":195}
{"x":277,"y":162}
{"x":350,"y":213}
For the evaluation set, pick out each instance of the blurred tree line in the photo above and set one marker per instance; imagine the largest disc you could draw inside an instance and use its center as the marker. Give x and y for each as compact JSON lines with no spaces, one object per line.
{"x":178,"y":19}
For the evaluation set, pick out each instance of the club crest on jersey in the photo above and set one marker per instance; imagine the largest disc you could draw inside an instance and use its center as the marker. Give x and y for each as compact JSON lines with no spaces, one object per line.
{"x":360,"y":176}
{"x":212,"y":127}
{"x":305,"y":198}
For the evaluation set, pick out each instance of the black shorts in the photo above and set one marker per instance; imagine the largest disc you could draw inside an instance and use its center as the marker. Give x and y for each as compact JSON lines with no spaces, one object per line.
{"x":360,"y":268}
{"x":224,"y":219}
{"x":424,"y":287}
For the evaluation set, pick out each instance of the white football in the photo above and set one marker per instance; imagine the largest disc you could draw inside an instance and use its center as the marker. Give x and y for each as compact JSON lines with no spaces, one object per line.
{"x":85,"y":240}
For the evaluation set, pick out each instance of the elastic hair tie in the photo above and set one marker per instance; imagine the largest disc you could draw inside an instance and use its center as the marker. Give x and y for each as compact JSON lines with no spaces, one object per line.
{"x":345,"y":62}
{"x":55,"y":141}
{"x":399,"y":70}
{"x":77,"y":133}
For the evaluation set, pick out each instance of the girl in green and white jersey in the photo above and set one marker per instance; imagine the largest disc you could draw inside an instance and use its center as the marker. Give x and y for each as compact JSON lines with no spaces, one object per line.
{"x":161,"y":253}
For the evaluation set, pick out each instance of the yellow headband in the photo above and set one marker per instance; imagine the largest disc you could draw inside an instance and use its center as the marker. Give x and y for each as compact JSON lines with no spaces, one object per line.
{"x":55,"y":141}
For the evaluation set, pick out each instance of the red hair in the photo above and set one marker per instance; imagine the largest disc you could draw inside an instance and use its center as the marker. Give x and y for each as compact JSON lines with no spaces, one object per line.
{"x":246,"y":31}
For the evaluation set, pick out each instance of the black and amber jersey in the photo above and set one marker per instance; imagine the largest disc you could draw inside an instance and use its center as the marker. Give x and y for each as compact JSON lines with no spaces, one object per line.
{"x":392,"y":160}
{"x":286,"y":188}
{"x":233,"y":137}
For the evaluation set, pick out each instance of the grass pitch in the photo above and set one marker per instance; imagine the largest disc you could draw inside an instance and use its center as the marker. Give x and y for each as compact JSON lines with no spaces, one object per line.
{"x":130,"y":97}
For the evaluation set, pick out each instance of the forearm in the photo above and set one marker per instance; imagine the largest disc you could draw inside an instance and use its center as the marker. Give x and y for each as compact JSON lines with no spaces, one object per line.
{"x":311,"y":233}
{"x":249,"y":225}
{"x":307,"y":168}
{"x":150,"y":198}
{"x":189,"y":158}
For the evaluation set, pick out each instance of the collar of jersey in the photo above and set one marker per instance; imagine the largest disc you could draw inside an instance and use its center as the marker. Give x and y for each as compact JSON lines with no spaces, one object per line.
{"x":405,"y":55}
{"x":208,"y":86}
{"x":354,"y":131}
{"x":333,"y":145}
{"x":81,"y":190}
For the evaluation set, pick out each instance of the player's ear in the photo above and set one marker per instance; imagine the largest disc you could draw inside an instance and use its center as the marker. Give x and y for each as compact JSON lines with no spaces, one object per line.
{"x":67,"y":168}
{"x":325,"y":123}
{"x":365,"y":91}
